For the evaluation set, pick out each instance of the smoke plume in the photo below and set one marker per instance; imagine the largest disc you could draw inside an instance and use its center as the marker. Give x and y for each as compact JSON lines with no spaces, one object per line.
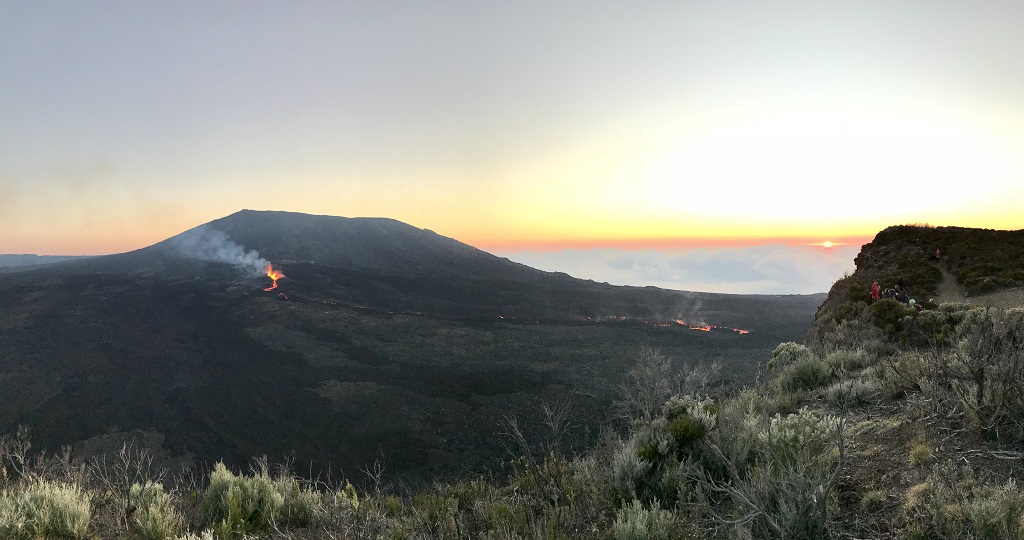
{"x":216,"y":246}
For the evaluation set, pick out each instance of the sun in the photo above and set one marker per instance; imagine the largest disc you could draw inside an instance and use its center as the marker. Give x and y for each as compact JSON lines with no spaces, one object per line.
{"x":827,"y":244}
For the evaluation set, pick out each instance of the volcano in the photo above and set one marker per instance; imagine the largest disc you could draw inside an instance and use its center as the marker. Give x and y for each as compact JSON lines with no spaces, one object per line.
{"x":381,"y":341}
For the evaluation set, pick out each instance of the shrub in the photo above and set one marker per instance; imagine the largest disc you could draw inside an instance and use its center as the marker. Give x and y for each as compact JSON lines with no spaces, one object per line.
{"x":764,"y":478}
{"x":805,"y":437}
{"x":953,"y":503}
{"x":686,"y":430}
{"x":889,"y":315}
{"x":899,"y":374}
{"x":646,"y":387}
{"x":299,"y":507}
{"x":45,"y":510}
{"x":851,"y":393}
{"x":806,"y":373}
{"x":154,"y":517}
{"x":921,"y":453}
{"x":628,"y":470}
{"x":392,"y":506}
{"x":689,"y":418}
{"x":985,"y":370}
{"x":850,"y":360}
{"x":855,"y":335}
{"x":636,"y":522}
{"x":239,"y":504}
{"x":788,"y":353}
{"x":435,"y":514}
{"x":14,"y":524}
{"x":996,"y":512}
{"x":873,"y":501}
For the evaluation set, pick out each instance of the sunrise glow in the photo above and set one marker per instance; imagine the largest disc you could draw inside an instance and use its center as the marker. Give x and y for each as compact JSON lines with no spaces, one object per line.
{"x":701,"y":127}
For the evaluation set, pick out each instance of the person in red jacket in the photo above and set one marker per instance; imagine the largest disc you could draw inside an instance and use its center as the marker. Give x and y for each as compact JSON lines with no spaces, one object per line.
{"x":874,"y":292}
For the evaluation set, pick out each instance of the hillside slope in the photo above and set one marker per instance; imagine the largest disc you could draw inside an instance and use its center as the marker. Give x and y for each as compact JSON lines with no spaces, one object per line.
{"x":889,"y":423}
{"x":984,"y":264}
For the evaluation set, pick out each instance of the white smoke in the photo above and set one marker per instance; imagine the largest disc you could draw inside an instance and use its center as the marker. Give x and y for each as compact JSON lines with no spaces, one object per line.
{"x":212,"y":245}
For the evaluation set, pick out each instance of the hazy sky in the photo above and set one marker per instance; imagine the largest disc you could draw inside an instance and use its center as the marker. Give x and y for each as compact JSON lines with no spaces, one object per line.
{"x":524,"y":127}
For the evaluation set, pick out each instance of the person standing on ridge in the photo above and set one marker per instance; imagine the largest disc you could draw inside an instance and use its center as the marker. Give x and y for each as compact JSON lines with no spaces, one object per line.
{"x":938,"y":255}
{"x":874,"y":292}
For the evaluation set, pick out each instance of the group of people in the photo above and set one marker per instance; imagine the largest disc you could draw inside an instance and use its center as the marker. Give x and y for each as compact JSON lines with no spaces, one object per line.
{"x":898,"y":293}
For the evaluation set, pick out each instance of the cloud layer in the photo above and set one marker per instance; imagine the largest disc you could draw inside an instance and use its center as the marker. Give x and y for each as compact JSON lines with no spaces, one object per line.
{"x":765,"y":269}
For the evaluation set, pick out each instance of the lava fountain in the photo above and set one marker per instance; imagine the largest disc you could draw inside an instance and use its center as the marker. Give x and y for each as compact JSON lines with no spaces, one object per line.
{"x":274,"y":275}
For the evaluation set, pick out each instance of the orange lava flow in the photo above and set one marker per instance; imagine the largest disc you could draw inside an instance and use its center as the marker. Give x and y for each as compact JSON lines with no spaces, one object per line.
{"x":274,"y":275}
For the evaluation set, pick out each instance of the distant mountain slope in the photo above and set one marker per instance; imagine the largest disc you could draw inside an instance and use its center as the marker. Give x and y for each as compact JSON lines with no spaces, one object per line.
{"x":382,"y":338}
{"x":12,"y":261}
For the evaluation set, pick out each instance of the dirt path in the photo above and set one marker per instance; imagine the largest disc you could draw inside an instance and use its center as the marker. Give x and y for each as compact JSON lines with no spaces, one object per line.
{"x":949,"y":291}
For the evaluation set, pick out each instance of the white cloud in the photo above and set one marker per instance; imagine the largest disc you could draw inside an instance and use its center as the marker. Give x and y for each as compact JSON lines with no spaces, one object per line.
{"x":765,"y":269}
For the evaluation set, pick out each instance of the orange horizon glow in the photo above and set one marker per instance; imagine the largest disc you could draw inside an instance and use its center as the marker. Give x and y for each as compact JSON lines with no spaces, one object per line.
{"x":508,"y":234}
{"x":524,"y":244}
{"x":665,"y":243}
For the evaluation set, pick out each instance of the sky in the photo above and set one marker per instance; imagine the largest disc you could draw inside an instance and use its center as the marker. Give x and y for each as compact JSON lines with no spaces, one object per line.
{"x":710,"y":144}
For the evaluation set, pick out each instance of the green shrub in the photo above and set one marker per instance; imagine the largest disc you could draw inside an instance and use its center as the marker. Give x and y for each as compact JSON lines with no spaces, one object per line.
{"x":45,"y":510}
{"x":299,"y":507}
{"x":689,"y":418}
{"x":769,"y":402}
{"x":392,"y":505}
{"x":848,"y":311}
{"x":851,"y":393}
{"x":239,"y":504}
{"x":901,"y":374}
{"x":953,"y":503}
{"x":788,"y":353}
{"x":648,"y":453}
{"x":921,"y":453}
{"x":14,"y":524}
{"x":435,"y":514}
{"x":806,"y":373}
{"x":805,"y":437}
{"x":795,"y":458}
{"x":851,"y":335}
{"x":850,"y":360}
{"x":997,"y":511}
{"x":873,"y":501}
{"x":890,"y":315}
{"x":154,"y":516}
{"x":686,"y":430}
{"x":628,"y":470}
{"x":636,"y":522}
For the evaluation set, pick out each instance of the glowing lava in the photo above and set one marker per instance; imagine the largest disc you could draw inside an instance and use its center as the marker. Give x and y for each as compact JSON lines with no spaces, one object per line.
{"x":274,"y":275}
{"x":705,"y":327}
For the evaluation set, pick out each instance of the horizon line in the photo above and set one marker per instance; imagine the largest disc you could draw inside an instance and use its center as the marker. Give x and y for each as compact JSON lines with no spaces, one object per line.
{"x":632,"y":244}
{"x":671,"y":243}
